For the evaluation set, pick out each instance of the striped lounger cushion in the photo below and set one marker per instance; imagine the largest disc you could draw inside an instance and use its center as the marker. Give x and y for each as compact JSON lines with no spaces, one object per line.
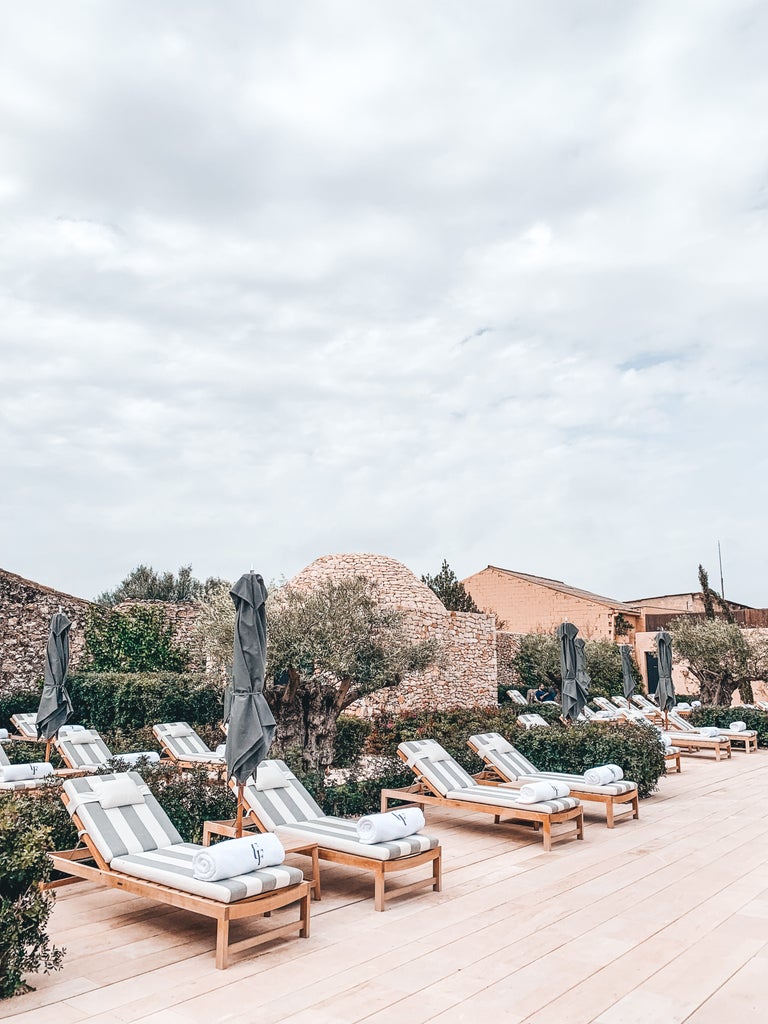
{"x":26,"y":724}
{"x":516,"y":767}
{"x":450,"y":780}
{"x":289,"y":809}
{"x":186,"y":745}
{"x":172,"y":866}
{"x":93,"y":753}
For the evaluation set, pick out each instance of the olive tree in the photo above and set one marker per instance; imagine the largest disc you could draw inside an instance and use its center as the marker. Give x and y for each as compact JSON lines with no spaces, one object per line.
{"x":721,"y":656}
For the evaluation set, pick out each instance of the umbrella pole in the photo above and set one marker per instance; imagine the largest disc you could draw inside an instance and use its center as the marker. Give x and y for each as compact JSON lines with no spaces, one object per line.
{"x":239,"y":822}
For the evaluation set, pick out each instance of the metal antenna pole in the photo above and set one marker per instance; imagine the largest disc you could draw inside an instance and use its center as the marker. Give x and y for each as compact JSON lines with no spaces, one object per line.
{"x":720,"y":559}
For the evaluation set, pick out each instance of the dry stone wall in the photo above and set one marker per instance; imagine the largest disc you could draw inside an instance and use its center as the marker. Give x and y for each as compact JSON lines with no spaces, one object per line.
{"x":26,"y":609}
{"x":183,"y":617}
{"x":465,"y":675}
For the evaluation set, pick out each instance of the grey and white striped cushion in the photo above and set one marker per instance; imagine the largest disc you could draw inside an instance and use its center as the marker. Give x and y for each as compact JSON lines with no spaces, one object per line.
{"x":172,"y":866}
{"x":118,"y":831}
{"x":529,"y":721}
{"x":3,"y":756}
{"x":501,"y":796}
{"x":341,"y":834}
{"x":444,"y":775}
{"x":687,"y":739}
{"x":26,"y":723}
{"x":282,"y":806}
{"x":83,"y":755}
{"x":515,"y":767}
{"x":185,"y":748}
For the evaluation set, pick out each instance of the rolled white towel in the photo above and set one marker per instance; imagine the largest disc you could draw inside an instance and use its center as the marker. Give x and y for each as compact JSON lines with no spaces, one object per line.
{"x":738,"y":726}
{"x":683,"y":705}
{"x":23,"y":772}
{"x":539,"y":792}
{"x":709,"y":732}
{"x":695,"y":703}
{"x":3,"y":734}
{"x":221,"y":750}
{"x":237,"y":857}
{"x":603,"y":775}
{"x":384,"y":828}
{"x":605,"y":714}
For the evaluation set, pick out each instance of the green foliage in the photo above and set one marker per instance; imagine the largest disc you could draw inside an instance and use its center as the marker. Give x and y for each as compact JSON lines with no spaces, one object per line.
{"x":24,"y":908}
{"x":135,"y":640}
{"x":357,"y":798}
{"x":721,"y":717}
{"x":145,"y":584}
{"x":351,"y":734}
{"x":450,"y":590}
{"x":190,"y":799}
{"x":129,"y":701}
{"x":575,"y":749}
{"x":720,"y":656}
{"x":537,"y":663}
{"x":329,"y":646}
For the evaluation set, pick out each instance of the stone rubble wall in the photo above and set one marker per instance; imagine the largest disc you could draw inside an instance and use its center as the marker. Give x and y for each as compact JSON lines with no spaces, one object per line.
{"x":465,"y":674}
{"x":508,"y":647}
{"x":26,"y":609}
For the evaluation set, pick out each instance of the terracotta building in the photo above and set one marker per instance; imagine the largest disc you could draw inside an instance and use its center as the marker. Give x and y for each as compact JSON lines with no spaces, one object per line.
{"x":534,"y":604}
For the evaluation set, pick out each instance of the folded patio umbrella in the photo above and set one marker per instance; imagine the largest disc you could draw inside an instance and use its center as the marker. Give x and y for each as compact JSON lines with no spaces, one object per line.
{"x":665,"y":691}
{"x":582,"y":676}
{"x":566,"y":634}
{"x":627,"y":675}
{"x":251,"y":724}
{"x":55,"y":705}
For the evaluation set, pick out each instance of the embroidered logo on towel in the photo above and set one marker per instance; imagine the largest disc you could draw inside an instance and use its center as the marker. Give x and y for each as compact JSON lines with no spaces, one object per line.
{"x":400,"y":817}
{"x":258,"y":854}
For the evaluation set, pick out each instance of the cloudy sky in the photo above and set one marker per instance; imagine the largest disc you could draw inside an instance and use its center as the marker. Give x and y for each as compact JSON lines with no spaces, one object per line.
{"x":483,"y":281}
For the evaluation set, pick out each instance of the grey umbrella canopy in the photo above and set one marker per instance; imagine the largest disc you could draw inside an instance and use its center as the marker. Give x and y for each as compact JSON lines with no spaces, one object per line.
{"x":665,"y":691}
{"x":566,"y":634}
{"x":251,"y":725}
{"x":55,"y":705}
{"x":582,"y":676}
{"x":627,"y":675}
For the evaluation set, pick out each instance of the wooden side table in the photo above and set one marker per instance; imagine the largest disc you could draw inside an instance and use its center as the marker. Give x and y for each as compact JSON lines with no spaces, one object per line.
{"x":296,"y":844}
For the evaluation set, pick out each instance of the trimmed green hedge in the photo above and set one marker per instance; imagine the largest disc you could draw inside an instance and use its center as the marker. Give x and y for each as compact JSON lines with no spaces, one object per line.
{"x":17,"y":702}
{"x":721,"y":717}
{"x":130,"y":700}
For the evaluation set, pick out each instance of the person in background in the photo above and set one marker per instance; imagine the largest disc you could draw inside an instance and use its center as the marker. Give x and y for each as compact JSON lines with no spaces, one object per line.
{"x":545,"y":694}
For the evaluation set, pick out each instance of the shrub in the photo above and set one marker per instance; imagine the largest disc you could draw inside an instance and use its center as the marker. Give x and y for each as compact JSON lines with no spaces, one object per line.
{"x":117,"y":700}
{"x":721,"y":717}
{"x":136,"y":640}
{"x":351,"y":734}
{"x":24,"y":908}
{"x":190,"y":799}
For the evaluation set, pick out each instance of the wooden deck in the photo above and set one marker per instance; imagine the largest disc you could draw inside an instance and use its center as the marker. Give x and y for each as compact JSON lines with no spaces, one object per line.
{"x":661,"y":919}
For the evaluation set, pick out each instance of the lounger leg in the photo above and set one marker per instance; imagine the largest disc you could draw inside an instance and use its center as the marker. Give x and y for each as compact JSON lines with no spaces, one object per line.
{"x":547,"y":834}
{"x":437,"y":872}
{"x":635,"y":806}
{"x":580,"y":825}
{"x":222,"y":943}
{"x":378,"y":888}
{"x":609,"y":813}
{"x":304,"y":915}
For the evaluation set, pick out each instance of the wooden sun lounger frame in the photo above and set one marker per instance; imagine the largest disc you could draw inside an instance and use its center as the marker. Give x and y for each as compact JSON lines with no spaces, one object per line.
{"x":691,"y":743}
{"x":491,"y":776}
{"x":73,"y":863}
{"x":381,"y":868}
{"x":423,"y":794}
{"x":186,"y":765}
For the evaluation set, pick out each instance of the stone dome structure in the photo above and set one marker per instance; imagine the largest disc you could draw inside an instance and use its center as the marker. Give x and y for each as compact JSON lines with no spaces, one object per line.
{"x":466,"y":673}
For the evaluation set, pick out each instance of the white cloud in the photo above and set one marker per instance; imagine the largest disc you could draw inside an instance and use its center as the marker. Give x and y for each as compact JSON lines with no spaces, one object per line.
{"x":480,"y":282}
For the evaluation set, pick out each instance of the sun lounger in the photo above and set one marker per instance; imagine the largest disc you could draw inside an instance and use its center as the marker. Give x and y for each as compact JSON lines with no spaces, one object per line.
{"x":505,"y":763}
{"x":442,"y":782}
{"x":530,"y":721}
{"x":25,"y":724}
{"x":277,"y":802}
{"x":182,"y":744}
{"x":134,"y":847}
{"x":517,"y":698}
{"x":746,"y":736}
{"x":85,"y":750}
